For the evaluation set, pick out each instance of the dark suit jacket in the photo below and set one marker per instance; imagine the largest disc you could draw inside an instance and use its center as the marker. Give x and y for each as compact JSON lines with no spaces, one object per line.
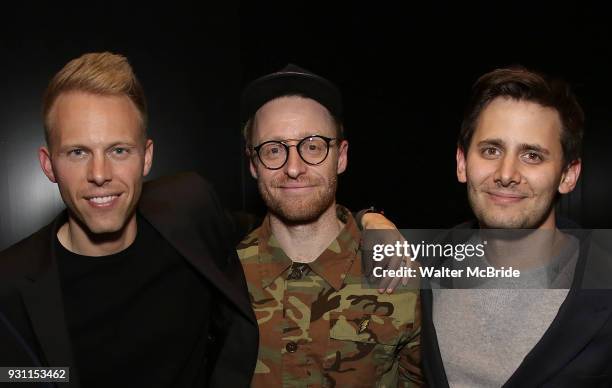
{"x":186,"y":212}
{"x":575,"y":351}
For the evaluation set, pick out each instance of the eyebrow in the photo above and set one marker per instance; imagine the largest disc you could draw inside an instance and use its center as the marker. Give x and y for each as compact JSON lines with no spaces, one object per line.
{"x":82,"y":146}
{"x":534,"y":147}
{"x":300,"y":137}
{"x":494,"y":142}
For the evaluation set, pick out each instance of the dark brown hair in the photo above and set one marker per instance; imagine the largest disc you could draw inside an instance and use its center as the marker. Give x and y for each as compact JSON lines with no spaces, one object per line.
{"x":520,"y":84}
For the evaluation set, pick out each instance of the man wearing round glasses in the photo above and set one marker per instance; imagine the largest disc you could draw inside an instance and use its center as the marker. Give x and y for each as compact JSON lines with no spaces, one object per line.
{"x":319,"y":326}
{"x":313,"y":150}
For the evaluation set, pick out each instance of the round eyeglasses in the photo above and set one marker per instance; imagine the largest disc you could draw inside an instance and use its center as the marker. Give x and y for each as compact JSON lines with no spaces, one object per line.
{"x":313,"y":150}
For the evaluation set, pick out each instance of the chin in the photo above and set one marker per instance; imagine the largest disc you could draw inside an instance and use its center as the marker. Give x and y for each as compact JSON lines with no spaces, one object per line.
{"x":96,"y":225}
{"x":299,"y":212}
{"x":299,"y":215}
{"x":504,"y":221}
{"x":501,"y":224}
{"x":104,"y":228}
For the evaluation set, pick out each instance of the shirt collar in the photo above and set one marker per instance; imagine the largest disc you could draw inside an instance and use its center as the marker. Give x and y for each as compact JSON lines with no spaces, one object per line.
{"x":333,"y":263}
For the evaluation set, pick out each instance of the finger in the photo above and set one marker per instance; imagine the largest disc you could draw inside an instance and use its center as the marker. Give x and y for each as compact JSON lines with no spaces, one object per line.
{"x":384,"y":283}
{"x":393,"y":284}
{"x":405,"y":280}
{"x":394,"y":263}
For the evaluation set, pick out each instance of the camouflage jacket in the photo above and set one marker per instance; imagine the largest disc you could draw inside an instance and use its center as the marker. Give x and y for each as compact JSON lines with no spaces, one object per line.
{"x":319,"y":327}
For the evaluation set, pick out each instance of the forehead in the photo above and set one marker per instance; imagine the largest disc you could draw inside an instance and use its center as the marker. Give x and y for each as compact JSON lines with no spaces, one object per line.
{"x":81,"y":117}
{"x":519,"y":122}
{"x":292,"y":117}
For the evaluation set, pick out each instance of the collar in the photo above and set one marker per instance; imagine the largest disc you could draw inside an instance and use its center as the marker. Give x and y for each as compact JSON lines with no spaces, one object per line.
{"x":332,"y":264}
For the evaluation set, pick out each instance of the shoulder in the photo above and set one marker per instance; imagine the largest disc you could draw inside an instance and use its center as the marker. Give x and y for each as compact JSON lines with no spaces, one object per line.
{"x":184,"y":209}
{"x":179,"y":187}
{"x":248,"y":248}
{"x":27,"y":257}
{"x":184,"y":199}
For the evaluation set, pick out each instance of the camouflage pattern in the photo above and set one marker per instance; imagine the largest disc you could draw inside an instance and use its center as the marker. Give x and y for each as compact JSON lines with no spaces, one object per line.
{"x":319,"y":327}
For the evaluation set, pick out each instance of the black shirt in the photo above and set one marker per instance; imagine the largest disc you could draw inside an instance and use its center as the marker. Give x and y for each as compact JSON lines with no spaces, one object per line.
{"x":138,"y":318}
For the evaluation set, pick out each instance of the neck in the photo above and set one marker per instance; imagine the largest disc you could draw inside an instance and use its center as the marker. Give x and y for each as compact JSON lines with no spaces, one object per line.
{"x":75,"y":237}
{"x":550,"y":223}
{"x":303,"y":243}
{"x":523,"y":249}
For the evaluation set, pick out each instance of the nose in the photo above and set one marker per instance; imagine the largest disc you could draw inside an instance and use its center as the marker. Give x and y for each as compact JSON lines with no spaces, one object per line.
{"x":99,"y":170}
{"x":507,"y":173}
{"x":295,"y":165}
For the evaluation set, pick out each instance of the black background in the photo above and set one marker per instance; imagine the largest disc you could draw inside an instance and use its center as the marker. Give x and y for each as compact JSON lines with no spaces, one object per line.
{"x":405,"y":72}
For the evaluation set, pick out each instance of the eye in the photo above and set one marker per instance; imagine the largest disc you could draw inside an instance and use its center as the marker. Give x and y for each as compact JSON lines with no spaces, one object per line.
{"x":76,"y":153}
{"x":532,"y":157}
{"x":120,"y":152}
{"x":490,"y":152}
{"x":313,"y":146}
{"x":272,"y":150}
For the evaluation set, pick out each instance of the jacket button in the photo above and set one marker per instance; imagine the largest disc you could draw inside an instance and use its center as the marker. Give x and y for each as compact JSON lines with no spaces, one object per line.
{"x":296,"y":274}
{"x":291,"y":347}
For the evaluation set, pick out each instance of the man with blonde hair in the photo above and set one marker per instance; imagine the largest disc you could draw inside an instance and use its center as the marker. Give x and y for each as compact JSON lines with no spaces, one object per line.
{"x":132,"y":285}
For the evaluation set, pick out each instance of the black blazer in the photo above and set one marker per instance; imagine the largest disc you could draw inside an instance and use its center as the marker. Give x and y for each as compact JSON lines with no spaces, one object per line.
{"x":186,"y":212}
{"x":576,"y":349}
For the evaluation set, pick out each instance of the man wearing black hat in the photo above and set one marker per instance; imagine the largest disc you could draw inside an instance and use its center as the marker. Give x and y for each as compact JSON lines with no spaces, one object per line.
{"x":319,"y":326}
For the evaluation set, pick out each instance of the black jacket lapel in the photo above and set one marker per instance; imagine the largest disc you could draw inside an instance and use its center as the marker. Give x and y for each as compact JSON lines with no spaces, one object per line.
{"x":580,"y":317}
{"x":433,"y":368}
{"x":42,"y":297}
{"x":185,"y":211}
{"x":195,"y":251}
{"x":585,"y":310}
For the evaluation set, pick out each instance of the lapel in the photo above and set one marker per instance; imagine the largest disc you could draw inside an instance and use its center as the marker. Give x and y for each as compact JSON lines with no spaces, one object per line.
{"x":200,"y":246}
{"x":580,"y":317}
{"x":582,"y":314}
{"x":433,"y":367}
{"x":42,"y":298}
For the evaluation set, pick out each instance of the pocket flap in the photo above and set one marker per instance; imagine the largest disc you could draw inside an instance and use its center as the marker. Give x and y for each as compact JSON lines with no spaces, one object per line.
{"x":364,"y":327}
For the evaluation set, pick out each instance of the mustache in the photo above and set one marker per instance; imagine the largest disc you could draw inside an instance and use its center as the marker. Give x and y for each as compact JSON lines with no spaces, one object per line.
{"x":301,"y":180}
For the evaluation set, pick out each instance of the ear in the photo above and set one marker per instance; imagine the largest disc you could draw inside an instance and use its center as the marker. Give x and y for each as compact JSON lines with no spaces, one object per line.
{"x":251,"y":156}
{"x":148,"y":162}
{"x":342,"y":156}
{"x":570,"y":176}
{"x":461,"y":174}
{"x":44,"y":158}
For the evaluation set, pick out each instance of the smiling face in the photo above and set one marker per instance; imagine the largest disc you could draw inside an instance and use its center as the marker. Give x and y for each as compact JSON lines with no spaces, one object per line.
{"x":98,"y":156}
{"x":297,"y":192}
{"x":514,"y":165}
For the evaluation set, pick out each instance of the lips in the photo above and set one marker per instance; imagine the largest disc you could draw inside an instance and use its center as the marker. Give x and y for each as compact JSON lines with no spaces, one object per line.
{"x":102,"y":200}
{"x":296,"y":186}
{"x":505,"y":197}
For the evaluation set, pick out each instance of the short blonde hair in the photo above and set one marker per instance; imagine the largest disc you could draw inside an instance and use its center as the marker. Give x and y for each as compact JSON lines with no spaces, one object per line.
{"x":97,"y":73}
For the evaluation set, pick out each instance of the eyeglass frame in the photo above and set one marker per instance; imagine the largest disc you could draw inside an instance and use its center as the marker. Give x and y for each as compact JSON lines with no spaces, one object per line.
{"x":327,"y":140}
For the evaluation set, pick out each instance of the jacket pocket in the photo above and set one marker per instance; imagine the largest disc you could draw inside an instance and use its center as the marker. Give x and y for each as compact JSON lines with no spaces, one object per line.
{"x":363,"y":348}
{"x":363,"y":327}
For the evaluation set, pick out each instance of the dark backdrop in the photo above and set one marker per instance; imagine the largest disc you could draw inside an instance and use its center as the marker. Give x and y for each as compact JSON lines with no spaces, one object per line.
{"x":405,"y":74}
